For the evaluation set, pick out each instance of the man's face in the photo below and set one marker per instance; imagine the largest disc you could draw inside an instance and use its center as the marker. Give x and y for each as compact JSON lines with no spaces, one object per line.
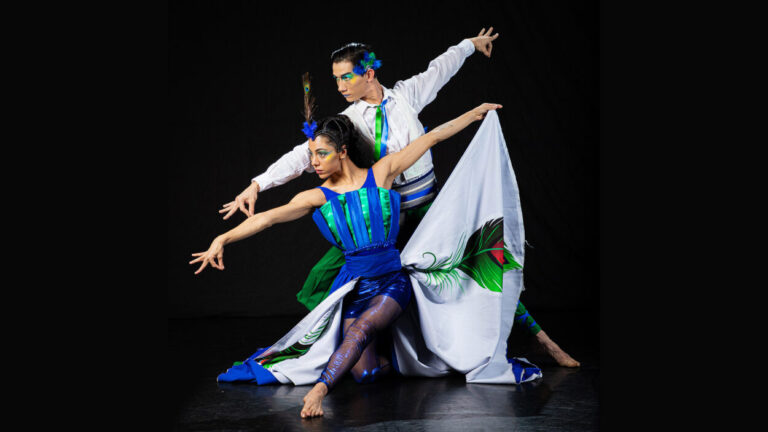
{"x":351,"y":86}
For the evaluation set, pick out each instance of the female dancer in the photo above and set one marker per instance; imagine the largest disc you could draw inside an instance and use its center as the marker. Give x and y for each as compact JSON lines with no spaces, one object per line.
{"x":367,"y":237}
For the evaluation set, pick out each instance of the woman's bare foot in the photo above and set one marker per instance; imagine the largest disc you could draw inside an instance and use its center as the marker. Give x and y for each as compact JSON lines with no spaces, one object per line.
{"x":313,"y":401}
{"x":561,"y":357}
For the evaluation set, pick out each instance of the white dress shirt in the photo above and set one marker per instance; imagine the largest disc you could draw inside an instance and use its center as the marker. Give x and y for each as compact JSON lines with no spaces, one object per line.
{"x":404,"y":101}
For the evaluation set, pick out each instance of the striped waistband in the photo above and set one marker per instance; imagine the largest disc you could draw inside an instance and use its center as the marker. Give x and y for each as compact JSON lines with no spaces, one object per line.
{"x":418,"y":191}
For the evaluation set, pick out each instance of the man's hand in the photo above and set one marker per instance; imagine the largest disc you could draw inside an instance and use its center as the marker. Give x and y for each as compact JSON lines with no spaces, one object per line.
{"x":248,"y":196}
{"x":483,"y":41}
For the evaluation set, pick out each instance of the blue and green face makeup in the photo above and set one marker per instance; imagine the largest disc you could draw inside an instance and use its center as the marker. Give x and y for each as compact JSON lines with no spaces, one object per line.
{"x":349,"y":77}
{"x":322,"y":154}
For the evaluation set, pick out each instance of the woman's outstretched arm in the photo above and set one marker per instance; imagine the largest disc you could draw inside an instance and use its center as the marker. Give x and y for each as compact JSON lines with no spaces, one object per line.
{"x":394,"y":164}
{"x":299,"y":206}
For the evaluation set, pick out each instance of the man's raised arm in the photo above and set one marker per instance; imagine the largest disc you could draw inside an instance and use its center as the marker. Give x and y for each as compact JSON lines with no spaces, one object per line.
{"x":422,"y":89}
{"x":288,"y":167}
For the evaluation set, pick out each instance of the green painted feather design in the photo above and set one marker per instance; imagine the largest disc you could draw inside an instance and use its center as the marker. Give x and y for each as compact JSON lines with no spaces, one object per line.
{"x":300,"y":347}
{"x":484,"y":258}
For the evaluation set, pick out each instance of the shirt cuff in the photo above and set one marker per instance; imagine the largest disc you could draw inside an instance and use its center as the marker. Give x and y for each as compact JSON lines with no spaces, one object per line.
{"x":467,"y":46}
{"x":263,"y":182}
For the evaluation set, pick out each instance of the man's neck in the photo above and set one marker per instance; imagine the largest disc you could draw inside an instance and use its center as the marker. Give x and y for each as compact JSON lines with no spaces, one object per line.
{"x":376,"y":95}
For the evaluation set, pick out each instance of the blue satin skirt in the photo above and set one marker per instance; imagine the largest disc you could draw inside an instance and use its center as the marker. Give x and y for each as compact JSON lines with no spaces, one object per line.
{"x":394,"y":284}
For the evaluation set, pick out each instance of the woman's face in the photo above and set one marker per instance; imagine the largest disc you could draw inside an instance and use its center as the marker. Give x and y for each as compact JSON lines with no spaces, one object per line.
{"x":324,"y":157}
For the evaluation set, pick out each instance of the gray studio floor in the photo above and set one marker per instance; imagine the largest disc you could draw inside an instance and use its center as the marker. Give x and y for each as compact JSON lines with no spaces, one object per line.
{"x":564,"y":399}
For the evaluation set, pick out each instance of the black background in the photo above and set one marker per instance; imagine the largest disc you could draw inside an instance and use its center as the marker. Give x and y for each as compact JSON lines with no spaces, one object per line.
{"x":235,"y":107}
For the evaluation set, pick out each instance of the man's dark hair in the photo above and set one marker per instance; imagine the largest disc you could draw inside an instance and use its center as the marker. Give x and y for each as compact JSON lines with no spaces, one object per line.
{"x":352,"y":52}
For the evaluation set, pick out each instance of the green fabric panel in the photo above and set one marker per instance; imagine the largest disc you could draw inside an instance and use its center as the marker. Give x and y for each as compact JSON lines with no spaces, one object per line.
{"x":343,"y":202}
{"x":363,"y":193}
{"x":386,"y":209}
{"x":327,"y":212}
{"x":320,"y":278}
{"x":418,"y":212}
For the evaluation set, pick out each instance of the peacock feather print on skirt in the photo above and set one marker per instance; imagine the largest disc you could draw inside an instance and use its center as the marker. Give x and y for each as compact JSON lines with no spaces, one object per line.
{"x":484,"y":258}
{"x":299,"y":348}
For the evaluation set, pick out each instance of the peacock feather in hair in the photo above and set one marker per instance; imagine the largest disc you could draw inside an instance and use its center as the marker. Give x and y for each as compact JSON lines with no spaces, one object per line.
{"x":484,"y":258}
{"x":310,"y":126}
{"x":368,"y":62}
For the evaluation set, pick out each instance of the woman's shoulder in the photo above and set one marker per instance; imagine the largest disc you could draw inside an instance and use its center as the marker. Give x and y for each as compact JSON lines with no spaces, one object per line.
{"x":312,"y":197}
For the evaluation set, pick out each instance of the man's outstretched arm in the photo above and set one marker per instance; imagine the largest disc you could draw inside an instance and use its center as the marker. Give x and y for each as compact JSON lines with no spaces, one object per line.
{"x":422,"y":89}
{"x":287,"y":168}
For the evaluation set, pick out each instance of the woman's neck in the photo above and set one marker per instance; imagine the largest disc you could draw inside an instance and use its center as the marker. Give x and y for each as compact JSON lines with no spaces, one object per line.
{"x":349,"y":177}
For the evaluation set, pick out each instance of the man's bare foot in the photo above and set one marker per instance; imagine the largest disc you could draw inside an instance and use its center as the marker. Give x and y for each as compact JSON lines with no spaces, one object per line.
{"x":313,"y":401}
{"x":561,"y":357}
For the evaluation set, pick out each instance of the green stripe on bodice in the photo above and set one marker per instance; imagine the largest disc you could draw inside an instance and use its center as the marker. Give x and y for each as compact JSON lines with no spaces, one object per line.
{"x":386,"y":210}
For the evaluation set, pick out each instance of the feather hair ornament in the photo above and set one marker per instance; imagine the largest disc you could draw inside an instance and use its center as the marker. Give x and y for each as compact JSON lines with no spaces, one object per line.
{"x":310,"y":126}
{"x":368,"y":62}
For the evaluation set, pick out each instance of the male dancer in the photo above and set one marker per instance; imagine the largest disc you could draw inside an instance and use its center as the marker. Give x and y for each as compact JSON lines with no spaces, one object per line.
{"x":389,"y":117}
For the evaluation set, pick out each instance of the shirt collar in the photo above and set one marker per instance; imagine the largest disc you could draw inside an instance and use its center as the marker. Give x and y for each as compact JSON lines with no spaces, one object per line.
{"x":362,"y":105}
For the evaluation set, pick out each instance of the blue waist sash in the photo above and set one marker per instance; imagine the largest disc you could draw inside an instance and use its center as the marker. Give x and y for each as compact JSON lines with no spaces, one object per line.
{"x":375,"y":263}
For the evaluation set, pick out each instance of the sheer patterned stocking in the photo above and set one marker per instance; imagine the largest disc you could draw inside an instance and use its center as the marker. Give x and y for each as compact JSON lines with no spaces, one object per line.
{"x":381,"y":312}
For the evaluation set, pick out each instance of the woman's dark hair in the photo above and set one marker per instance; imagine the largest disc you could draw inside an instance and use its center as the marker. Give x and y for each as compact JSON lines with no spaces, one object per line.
{"x":340,"y":130}
{"x":352,"y":52}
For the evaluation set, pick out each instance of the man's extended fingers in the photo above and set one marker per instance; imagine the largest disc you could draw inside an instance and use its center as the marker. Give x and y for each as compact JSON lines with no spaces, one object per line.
{"x":481,"y":31}
{"x":489,"y":31}
{"x":205,"y":263}
{"x":241,"y":205}
{"x":231,"y":211}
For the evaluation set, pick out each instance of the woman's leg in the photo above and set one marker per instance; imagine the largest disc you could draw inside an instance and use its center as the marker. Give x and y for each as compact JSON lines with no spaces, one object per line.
{"x":368,"y":359}
{"x":381,"y":312}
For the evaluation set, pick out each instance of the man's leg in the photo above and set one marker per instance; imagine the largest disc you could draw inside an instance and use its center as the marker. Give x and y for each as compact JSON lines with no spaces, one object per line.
{"x":524,"y":319}
{"x":320,"y":278}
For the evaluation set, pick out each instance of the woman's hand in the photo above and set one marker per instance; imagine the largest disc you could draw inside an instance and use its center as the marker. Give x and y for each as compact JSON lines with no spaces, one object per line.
{"x":214,"y":252}
{"x":479,"y":112}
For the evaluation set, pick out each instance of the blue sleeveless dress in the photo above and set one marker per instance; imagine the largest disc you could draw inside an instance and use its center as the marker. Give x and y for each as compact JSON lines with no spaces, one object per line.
{"x":364,"y":224}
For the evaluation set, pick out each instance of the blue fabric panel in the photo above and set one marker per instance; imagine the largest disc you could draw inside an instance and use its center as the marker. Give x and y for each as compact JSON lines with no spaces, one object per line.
{"x":322,"y":225}
{"x":375,"y":264}
{"x":341,"y":225}
{"x":522,"y":370}
{"x":249,"y":371}
{"x":263,"y":376}
{"x":328,"y":193}
{"x":355,"y":209}
{"x":370,"y":179}
{"x":377,"y":219}
{"x":394,"y":227}
{"x":343,"y":277}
